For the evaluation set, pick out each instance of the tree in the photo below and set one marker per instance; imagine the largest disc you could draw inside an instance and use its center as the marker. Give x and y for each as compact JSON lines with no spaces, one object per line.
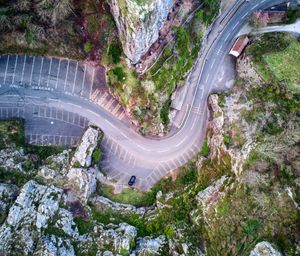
{"x":53,"y":11}
{"x":5,"y":22}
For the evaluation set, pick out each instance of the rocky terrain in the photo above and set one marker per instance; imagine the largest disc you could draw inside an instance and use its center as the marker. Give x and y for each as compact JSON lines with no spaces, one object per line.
{"x":239,"y":196}
{"x":138,"y":23}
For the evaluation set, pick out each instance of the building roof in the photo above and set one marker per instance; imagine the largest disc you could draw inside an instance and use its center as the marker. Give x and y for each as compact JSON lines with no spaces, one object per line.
{"x":239,"y":46}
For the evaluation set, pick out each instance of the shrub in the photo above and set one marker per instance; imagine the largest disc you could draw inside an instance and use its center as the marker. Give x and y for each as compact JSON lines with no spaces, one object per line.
{"x":97,"y":155}
{"x":115,"y":52}
{"x":119,"y":73}
{"x":205,"y":149}
{"x":83,"y":225}
{"x":88,"y":47}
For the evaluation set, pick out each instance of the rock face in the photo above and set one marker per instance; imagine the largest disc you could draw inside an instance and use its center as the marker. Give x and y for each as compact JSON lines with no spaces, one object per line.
{"x":82,"y":182}
{"x":83,"y":153}
{"x":31,"y":211}
{"x":138,"y":23}
{"x":216,"y":142}
{"x":210,"y":196}
{"x":264,"y":249}
{"x":56,"y":167}
{"x":150,"y":246}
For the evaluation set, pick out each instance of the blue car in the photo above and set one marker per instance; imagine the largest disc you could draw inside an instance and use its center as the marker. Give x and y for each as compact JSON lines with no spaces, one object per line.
{"x":131,"y":180}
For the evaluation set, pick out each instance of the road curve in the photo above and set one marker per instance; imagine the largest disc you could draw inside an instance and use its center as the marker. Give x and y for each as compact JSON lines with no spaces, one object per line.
{"x":127,"y":152}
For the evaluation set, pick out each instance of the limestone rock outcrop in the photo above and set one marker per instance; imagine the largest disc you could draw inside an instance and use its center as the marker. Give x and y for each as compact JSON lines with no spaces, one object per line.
{"x":82,"y":182}
{"x":264,"y":249}
{"x":216,"y":142}
{"x":83,"y":153}
{"x":31,"y":211}
{"x":138,"y":23}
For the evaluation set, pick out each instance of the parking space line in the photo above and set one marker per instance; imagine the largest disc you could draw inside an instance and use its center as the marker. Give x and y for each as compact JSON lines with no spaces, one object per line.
{"x":92,"y":82}
{"x":15,"y":67}
{"x":75,"y":77}
{"x":103,"y":97}
{"x":41,"y":68}
{"x":7,"y":60}
{"x":57,"y":74}
{"x":32,"y":67}
{"x":23,"y":69}
{"x":66,"y":75}
{"x":49,"y":72}
{"x":84,"y":74}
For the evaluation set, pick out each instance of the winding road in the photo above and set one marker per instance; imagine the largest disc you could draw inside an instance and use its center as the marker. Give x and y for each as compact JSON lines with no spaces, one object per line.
{"x":126,"y":152}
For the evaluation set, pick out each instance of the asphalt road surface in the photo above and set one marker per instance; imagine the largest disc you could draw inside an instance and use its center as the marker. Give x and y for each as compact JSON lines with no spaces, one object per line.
{"x":71,"y":87}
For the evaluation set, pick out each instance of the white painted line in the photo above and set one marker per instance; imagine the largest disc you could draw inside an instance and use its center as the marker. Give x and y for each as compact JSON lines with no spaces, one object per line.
{"x":110,"y":123}
{"x":49,"y":73}
{"x":75,"y":77}
{"x":194,"y":122}
{"x":92,"y":82}
{"x":15,"y":67}
{"x":33,"y":62}
{"x":178,"y":144}
{"x":39,"y":82}
{"x":57,"y":74}
{"x":84,"y":74}
{"x":244,"y":15}
{"x":235,"y":26}
{"x":23,"y":69}
{"x":66,"y":75}
{"x":7,"y":60}
{"x":124,"y":135}
{"x":227,"y":37}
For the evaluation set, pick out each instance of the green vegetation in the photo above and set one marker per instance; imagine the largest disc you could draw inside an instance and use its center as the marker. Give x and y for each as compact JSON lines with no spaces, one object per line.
{"x":97,"y":155}
{"x":292,"y":15}
{"x":127,"y":196}
{"x":284,"y":65}
{"x":205,"y":151}
{"x":88,"y":47}
{"x":14,"y":176}
{"x":115,"y":52}
{"x":11,"y":133}
{"x":84,"y":226}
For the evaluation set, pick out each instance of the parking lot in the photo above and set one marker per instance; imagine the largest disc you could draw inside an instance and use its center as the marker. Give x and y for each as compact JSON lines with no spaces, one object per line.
{"x":57,"y":74}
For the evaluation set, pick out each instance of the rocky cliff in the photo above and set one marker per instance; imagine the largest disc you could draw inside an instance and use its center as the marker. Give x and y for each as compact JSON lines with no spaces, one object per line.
{"x":138,"y":23}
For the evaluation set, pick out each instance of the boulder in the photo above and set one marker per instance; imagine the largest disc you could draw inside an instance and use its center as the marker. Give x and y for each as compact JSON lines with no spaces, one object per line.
{"x":56,"y":167}
{"x":150,"y":246}
{"x":138,"y":23}
{"x":264,"y":249}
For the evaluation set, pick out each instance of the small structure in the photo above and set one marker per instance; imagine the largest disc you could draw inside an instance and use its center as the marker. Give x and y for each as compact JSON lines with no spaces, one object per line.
{"x":239,"y":46}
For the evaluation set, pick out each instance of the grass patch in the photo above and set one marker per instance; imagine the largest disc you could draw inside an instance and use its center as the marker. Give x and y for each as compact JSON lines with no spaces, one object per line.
{"x":285,"y":65}
{"x":127,"y":196}
{"x":84,"y":226}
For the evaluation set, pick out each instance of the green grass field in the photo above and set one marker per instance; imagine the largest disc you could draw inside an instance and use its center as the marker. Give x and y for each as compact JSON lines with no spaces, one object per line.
{"x":285,"y":65}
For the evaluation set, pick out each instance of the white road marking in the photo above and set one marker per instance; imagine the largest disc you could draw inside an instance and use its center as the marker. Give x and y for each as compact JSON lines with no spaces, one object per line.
{"x":75,"y":77}
{"x":39,"y":81}
{"x":32,"y":67}
{"x":15,"y":67}
{"x":110,"y":123}
{"x":7,"y":60}
{"x":57,"y":74}
{"x":84,"y":74}
{"x":66,"y":75}
{"x":92,"y":82}
{"x":49,"y":73}
{"x":23,"y":69}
